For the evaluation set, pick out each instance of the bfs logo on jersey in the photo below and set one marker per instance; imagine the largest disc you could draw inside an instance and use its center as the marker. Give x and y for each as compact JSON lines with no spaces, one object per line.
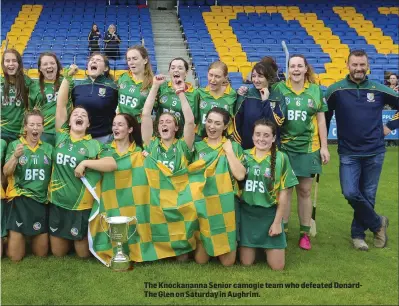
{"x":268,"y":172}
{"x":202,"y":104}
{"x":287,"y":100}
{"x":122,"y":86}
{"x":310,"y":103}
{"x":101,"y":92}
{"x":82,"y":151}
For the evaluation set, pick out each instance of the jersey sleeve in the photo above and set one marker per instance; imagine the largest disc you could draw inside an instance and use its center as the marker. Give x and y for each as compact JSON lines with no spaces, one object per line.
{"x":393,"y":124}
{"x":106,"y":151}
{"x":3,"y":151}
{"x":239,"y":152}
{"x":188,"y":154}
{"x":287,"y":177}
{"x":321,"y":101}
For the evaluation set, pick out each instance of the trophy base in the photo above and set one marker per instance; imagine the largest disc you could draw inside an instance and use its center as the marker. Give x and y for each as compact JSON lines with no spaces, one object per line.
{"x":121,"y":265}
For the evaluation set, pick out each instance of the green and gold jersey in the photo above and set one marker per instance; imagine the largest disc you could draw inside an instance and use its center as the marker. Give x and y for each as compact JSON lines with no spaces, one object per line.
{"x":13,"y":110}
{"x":47,"y":104}
{"x":202,"y":150}
{"x":299,"y":132}
{"x":208,"y":101}
{"x":32,"y":173}
{"x":3,"y":152}
{"x":259,"y":190}
{"x":176,"y":157}
{"x":66,"y":190}
{"x":131,"y":97}
{"x":169,"y":102}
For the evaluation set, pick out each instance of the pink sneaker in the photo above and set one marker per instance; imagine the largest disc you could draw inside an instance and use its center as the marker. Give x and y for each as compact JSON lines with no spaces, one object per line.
{"x":304,"y":242}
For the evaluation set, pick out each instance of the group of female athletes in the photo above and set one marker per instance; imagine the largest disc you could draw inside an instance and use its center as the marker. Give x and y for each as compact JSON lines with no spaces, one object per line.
{"x":54,"y":131}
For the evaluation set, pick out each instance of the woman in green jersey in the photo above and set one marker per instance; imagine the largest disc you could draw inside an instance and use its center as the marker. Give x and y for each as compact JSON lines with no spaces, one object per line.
{"x":71,"y":201}
{"x":216,"y":94}
{"x":166,"y":148}
{"x":28,"y":169}
{"x":134,"y":85}
{"x":168,"y":101}
{"x":303,"y":136}
{"x":14,"y":95}
{"x":43,"y":93}
{"x":3,"y":204}
{"x":216,"y":124}
{"x":265,"y":197}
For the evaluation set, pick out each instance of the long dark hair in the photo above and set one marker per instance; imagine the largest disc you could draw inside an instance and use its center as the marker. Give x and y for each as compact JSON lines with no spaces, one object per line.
{"x":179,"y":59}
{"x":57,"y":82}
{"x":148,"y":74}
{"x":21,"y":92}
{"x":273,"y":149}
{"x":226,"y":118}
{"x":132,"y":122}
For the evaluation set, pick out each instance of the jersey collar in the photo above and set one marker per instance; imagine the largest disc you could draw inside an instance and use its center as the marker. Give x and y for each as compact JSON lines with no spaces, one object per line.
{"x":224,"y":139}
{"x":134,"y":79}
{"x":306,"y":85}
{"x":252,"y":152}
{"x":189,"y":86}
{"x":25,"y":142}
{"x":226,"y":91}
{"x":164,"y":147}
{"x":86,"y":137}
{"x":131,"y":148}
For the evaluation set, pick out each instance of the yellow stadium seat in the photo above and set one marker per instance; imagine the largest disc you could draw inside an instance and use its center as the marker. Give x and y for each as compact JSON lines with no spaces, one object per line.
{"x":245,"y":68}
{"x":249,"y":9}
{"x":238,"y":9}
{"x":384,"y":10}
{"x":230,"y":41}
{"x":216,"y":8}
{"x":33,"y":73}
{"x":219,"y":41}
{"x":260,"y":9}
{"x":386,"y":40}
{"x":271,"y":9}
{"x":384,"y":50}
{"x":374,"y":41}
{"x":216,"y":35}
{"x":226,"y":58}
{"x":327,"y":81}
{"x":394,"y":10}
{"x":212,"y":26}
{"x":232,"y":67}
{"x":227,"y":8}
{"x":338,"y":9}
{"x":334,"y":70}
{"x":235,"y":49}
{"x":240,"y":59}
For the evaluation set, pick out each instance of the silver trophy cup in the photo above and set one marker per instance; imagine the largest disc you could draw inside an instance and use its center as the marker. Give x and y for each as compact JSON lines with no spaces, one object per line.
{"x":118,"y":228}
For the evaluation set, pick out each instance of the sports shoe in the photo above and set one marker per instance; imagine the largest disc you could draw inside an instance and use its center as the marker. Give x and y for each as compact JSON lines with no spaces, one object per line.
{"x":304,"y":242}
{"x":381,"y":237}
{"x":360,"y":244}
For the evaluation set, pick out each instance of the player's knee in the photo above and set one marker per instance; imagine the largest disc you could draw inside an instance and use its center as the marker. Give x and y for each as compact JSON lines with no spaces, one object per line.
{"x":247,"y":261}
{"x":58,"y":252}
{"x":40,"y":252}
{"x":277,"y":266}
{"x":228,"y":262}
{"x":304,"y":192}
{"x":15,"y":256}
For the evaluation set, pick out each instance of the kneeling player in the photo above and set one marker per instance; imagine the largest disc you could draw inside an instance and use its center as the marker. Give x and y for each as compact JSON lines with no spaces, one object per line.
{"x":269,"y":176}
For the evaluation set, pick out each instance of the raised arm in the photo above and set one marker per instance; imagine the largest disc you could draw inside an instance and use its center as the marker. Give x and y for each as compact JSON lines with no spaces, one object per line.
{"x":237,"y":169}
{"x":147,"y":128}
{"x":189,"y":120}
{"x":105,"y":164}
{"x":61,"y":113}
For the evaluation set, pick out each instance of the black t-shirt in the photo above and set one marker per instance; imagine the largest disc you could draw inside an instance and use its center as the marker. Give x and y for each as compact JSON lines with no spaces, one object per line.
{"x":112,"y":40}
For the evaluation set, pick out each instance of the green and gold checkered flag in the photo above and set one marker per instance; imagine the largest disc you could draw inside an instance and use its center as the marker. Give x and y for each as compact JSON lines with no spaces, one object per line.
{"x":212,"y":189}
{"x":160,"y":200}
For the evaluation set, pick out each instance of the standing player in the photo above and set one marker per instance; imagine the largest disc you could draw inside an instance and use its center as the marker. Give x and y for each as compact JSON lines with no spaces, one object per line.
{"x":303,"y":137}
{"x":216,"y":94}
{"x":14,"y":94}
{"x":98,"y":94}
{"x":43,"y":93}
{"x":134,"y":85}
{"x":258,"y":102}
{"x":358,"y":104}
{"x":216,"y":125}
{"x":174,"y":153}
{"x":168,"y":101}
{"x":3,"y":204}
{"x":71,"y":201}
{"x":28,"y":168}
{"x":265,"y":197}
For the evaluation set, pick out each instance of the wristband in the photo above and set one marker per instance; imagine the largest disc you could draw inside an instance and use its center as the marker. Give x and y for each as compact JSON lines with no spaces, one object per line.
{"x":179,"y":91}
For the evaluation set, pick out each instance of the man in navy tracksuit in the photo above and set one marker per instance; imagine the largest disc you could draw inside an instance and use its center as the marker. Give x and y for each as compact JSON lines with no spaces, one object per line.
{"x":358,"y":104}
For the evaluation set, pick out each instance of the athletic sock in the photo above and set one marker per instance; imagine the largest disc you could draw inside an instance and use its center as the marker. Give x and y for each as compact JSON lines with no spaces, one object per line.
{"x":304,"y":229}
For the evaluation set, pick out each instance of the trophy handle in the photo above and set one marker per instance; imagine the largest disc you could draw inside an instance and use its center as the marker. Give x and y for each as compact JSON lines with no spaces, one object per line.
{"x":102,"y":216}
{"x":135,"y":230}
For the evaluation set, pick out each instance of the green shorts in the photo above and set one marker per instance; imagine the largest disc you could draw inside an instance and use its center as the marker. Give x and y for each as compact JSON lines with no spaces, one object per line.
{"x":255,"y":223}
{"x":49,"y":138}
{"x":68,"y":224}
{"x":305,"y":164}
{"x":4,"y":214}
{"x":27,"y":216}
